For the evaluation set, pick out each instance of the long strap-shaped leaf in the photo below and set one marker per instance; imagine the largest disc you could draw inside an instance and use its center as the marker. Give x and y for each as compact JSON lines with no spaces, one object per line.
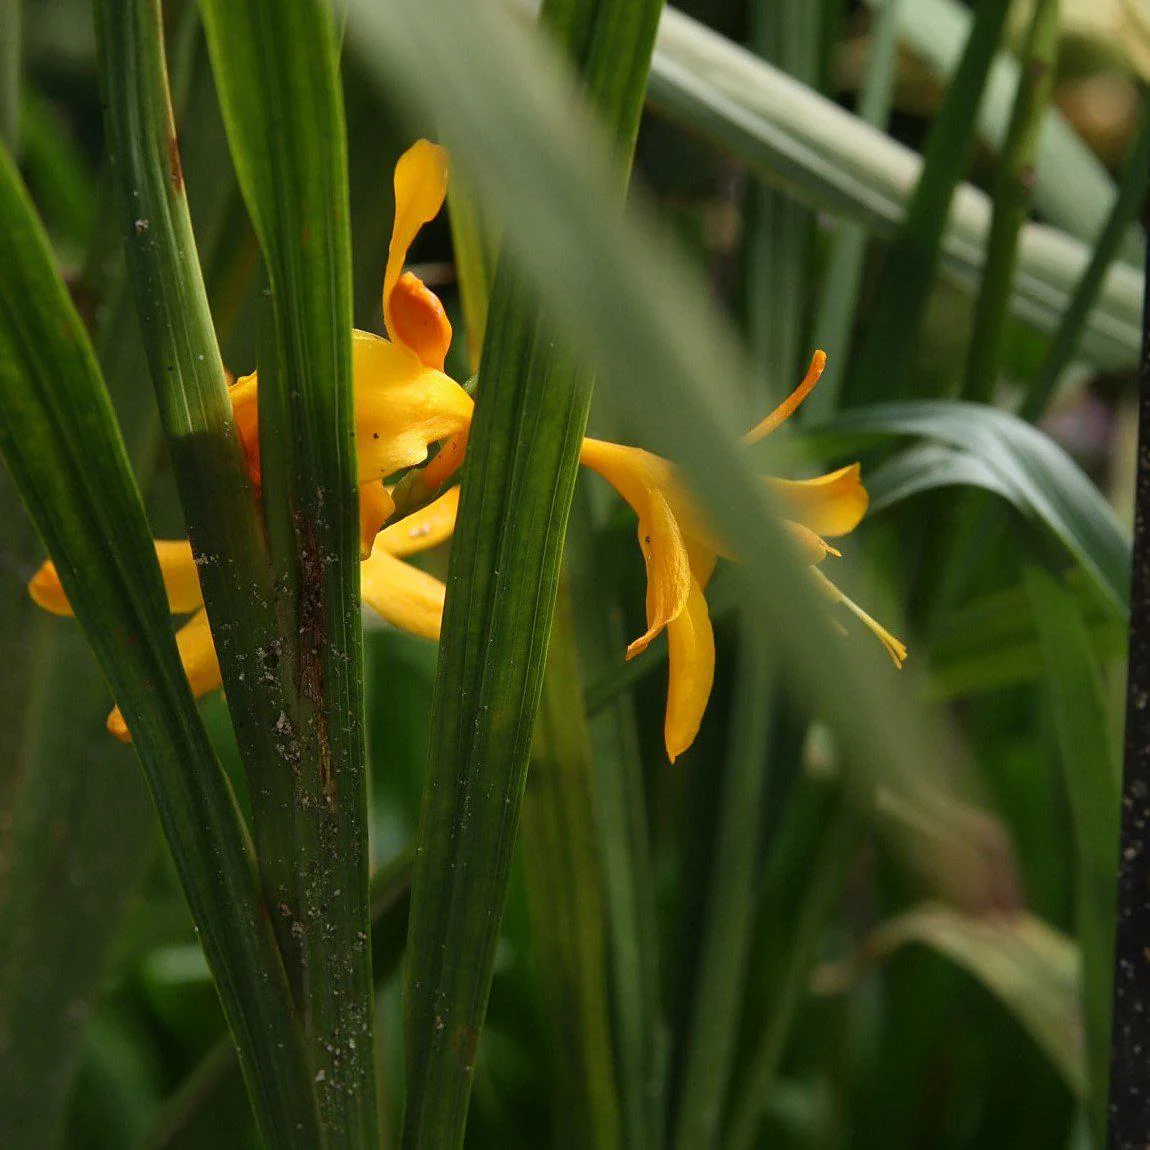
{"x":502,"y":582}
{"x":221,"y":515}
{"x":276,"y":68}
{"x":59,"y":438}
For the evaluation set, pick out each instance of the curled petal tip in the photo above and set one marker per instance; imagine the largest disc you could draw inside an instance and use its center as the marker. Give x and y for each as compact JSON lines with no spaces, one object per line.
{"x":46,"y":591}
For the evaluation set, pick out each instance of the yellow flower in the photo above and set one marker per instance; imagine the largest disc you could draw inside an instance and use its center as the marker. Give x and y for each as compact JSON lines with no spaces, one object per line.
{"x":680,"y":553}
{"x":397,"y":591}
{"x":404,"y":403}
{"x":403,"y":400}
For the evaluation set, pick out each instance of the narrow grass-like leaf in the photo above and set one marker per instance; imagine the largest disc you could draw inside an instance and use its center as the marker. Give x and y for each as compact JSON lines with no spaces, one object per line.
{"x":1033,"y":969}
{"x":502,"y":582}
{"x":475,"y":246}
{"x":729,"y":915}
{"x":1013,"y":187}
{"x":276,"y":69}
{"x":1072,"y":187}
{"x":564,"y":884}
{"x":1081,"y":719}
{"x":61,"y":444}
{"x":886,"y":358}
{"x":1043,"y":482}
{"x":625,"y":294}
{"x":792,"y":136}
{"x":220,"y":510}
{"x":1131,"y":193}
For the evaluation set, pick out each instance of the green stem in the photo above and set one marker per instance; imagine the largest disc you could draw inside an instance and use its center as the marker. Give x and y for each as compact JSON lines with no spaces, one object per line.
{"x":1013,"y":191}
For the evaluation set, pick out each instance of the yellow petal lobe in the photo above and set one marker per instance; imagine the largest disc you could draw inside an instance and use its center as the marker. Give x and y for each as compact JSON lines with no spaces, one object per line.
{"x":402,"y":594}
{"x":691,"y":658}
{"x":420,"y":189}
{"x":831,"y":504}
{"x":419,"y":321}
{"x":423,"y":529}
{"x":643,"y":480}
{"x":401,"y":407}
{"x":375,"y":509}
{"x":177,"y":566}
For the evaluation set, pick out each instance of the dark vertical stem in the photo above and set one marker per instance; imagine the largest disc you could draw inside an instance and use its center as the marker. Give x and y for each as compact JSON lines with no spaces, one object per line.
{"x":1130,"y":1035}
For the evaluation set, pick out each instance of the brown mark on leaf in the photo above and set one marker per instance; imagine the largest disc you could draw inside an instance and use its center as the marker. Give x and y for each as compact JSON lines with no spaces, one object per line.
{"x":175,"y":168}
{"x":1027,"y":178}
{"x":311,"y":616}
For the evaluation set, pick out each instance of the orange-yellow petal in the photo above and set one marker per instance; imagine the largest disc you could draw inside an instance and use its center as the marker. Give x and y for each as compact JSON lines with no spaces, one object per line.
{"x":791,"y":404}
{"x":375,"y":508}
{"x":177,"y":565}
{"x":447,"y":460}
{"x":643,"y":480}
{"x":401,"y":407}
{"x":402,"y":594}
{"x":423,"y":529}
{"x":894,"y":647}
{"x":198,"y":656}
{"x":244,"y":394}
{"x":420,"y":189}
{"x":417,"y":319}
{"x":691,"y":666}
{"x":832,"y":504}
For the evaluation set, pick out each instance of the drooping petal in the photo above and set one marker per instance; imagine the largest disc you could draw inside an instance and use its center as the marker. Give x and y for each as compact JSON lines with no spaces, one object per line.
{"x":177,"y":565}
{"x":413,"y":315}
{"x":894,"y":647}
{"x":791,"y":404}
{"x":401,"y":407}
{"x":417,"y":319}
{"x":402,"y":594}
{"x":447,"y":460}
{"x":375,"y":508}
{"x":831,"y":504}
{"x":198,"y":656}
{"x":691,"y":670}
{"x":423,"y":529}
{"x":642,"y":479}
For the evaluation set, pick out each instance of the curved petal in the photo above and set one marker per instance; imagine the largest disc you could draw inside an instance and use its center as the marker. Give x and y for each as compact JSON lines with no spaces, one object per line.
{"x":423,"y":529}
{"x":832,"y":504}
{"x":447,"y":460}
{"x":403,"y":595}
{"x":691,"y":652}
{"x":198,"y":656}
{"x":401,"y":407}
{"x":894,"y":647}
{"x":791,"y":404}
{"x":416,"y":319}
{"x":375,"y":509}
{"x":643,"y":480}
{"x":177,"y":565}
{"x":412,"y":313}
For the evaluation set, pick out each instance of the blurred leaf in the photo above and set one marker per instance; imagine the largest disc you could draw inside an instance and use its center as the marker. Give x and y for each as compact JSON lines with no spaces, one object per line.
{"x":1081,"y":719}
{"x":565,"y":895}
{"x":60,"y":440}
{"x":808,"y":144}
{"x":11,"y":64}
{"x":1031,"y":968}
{"x":1010,"y":457}
{"x":277,"y":73}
